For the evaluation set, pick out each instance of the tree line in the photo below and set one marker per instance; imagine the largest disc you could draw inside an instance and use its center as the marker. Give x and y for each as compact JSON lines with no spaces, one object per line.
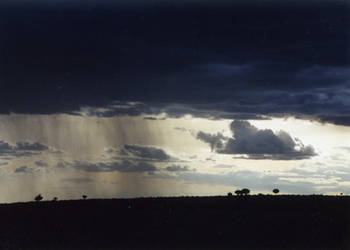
{"x":246,"y":191}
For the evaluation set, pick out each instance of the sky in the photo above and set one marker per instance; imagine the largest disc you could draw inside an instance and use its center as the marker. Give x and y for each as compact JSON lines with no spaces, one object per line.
{"x":173,"y":98}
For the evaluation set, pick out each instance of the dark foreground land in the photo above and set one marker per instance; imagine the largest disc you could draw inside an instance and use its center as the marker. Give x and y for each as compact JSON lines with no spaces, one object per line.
{"x":253,"y":222}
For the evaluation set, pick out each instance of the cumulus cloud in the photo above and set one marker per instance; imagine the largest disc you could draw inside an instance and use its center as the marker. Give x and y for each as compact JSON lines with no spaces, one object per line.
{"x":124,"y":166}
{"x":215,"y":141}
{"x":261,"y":143}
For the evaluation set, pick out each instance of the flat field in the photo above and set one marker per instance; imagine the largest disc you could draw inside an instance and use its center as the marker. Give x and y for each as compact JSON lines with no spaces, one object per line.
{"x":246,"y":222}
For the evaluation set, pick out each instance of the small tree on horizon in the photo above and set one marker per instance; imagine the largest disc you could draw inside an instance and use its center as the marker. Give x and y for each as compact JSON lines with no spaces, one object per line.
{"x":84,"y":197}
{"x":275,"y":191}
{"x":245,"y":191}
{"x":238,"y":192}
{"x":38,"y":198}
{"x":54,"y":199}
{"x":229,"y":194}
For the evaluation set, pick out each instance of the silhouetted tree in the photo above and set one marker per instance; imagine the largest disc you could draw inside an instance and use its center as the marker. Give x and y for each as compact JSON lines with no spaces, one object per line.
{"x":54,"y":199}
{"x":229,"y":194}
{"x":275,"y":191}
{"x":38,"y":197}
{"x":238,"y":192}
{"x":245,"y":191}
{"x":84,"y":197}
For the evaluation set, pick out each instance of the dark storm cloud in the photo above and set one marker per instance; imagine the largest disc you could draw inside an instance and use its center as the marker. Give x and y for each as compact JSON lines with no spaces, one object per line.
{"x":258,"y":143}
{"x":232,"y":59}
{"x":336,"y":119}
{"x":21,"y":149}
{"x":213,"y":111}
{"x":304,"y":94}
{"x":241,"y":116}
{"x":317,"y":92}
{"x":118,"y":108}
{"x":125,"y":166}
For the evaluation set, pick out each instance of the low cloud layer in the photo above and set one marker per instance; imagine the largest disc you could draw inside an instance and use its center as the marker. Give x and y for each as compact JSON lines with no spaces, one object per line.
{"x":124,"y":167}
{"x":28,"y":146}
{"x":41,"y":163}
{"x":303,"y":184}
{"x":21,"y":149}
{"x":78,"y":180}
{"x":22,"y":169}
{"x":176,"y":168}
{"x":147,"y":152}
{"x":258,"y":143}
